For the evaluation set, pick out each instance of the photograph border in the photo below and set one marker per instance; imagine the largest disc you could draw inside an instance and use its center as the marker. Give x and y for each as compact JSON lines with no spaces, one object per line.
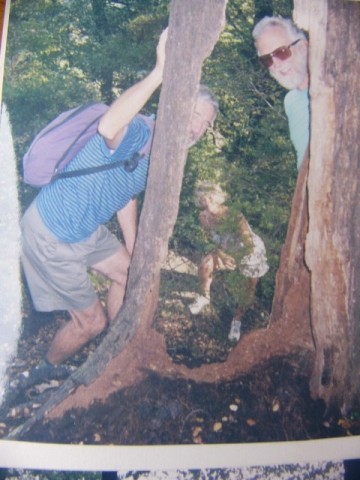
{"x":31,"y":455}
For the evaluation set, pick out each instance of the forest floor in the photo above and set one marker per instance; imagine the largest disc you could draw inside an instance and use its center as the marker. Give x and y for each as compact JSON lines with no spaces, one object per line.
{"x":270,"y":403}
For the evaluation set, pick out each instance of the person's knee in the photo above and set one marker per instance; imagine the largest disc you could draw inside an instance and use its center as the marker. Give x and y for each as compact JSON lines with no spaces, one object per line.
{"x":116,"y":267}
{"x":99,"y":323}
{"x":120,"y":274}
{"x":91,"y":321}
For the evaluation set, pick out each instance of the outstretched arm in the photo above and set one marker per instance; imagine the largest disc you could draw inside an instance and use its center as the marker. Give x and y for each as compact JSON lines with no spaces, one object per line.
{"x":127,"y":218}
{"x":123,"y":110}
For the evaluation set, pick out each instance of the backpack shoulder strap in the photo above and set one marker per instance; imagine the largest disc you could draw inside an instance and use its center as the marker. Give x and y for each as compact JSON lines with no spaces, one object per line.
{"x":129,"y":165}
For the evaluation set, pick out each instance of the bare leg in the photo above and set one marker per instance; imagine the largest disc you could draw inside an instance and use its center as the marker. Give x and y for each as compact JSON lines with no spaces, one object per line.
{"x":87,"y":324}
{"x":250,"y":290}
{"x":116,"y":268}
{"x":234,"y":334}
{"x":83,"y":326}
{"x":206,"y":270}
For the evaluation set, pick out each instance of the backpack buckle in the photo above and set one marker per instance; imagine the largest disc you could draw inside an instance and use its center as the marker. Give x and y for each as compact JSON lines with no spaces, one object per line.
{"x":132,"y":163}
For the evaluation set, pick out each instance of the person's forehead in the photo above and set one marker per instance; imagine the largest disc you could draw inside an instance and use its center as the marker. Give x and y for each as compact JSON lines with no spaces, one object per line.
{"x":271,"y":39}
{"x":204,"y":108}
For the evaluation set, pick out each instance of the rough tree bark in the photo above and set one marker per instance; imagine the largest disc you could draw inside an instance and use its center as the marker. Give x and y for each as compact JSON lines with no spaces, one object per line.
{"x":332,"y":245}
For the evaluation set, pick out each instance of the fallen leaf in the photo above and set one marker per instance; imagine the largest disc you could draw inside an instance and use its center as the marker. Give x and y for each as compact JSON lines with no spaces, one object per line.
{"x":196,"y":432}
{"x":217,"y":426}
{"x":344,"y":423}
{"x":251,"y":422}
{"x":275,"y":406}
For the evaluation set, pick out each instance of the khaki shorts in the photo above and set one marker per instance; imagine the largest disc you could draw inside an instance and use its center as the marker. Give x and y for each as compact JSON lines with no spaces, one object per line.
{"x":57,"y":272}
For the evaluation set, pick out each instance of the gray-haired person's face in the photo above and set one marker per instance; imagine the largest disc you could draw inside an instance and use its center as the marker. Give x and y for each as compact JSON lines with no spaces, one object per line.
{"x":291,"y":72}
{"x":203,"y":117}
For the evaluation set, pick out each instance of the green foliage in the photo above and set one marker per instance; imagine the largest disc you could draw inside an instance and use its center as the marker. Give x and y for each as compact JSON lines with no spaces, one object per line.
{"x":61,"y":54}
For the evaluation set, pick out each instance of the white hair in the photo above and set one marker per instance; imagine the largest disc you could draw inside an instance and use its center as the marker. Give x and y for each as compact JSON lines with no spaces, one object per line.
{"x":286,"y":24}
{"x":206,"y":94}
{"x":207,"y":189}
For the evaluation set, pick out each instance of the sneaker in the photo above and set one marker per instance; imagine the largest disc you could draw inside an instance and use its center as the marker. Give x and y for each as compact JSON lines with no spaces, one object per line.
{"x":42,"y":373}
{"x":234,"y":334}
{"x":200,"y":302}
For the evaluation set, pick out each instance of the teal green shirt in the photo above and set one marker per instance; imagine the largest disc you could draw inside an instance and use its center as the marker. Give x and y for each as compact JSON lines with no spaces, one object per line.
{"x":297,"y":108}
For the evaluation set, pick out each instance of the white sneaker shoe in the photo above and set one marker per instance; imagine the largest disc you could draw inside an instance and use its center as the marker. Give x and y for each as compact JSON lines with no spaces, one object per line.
{"x":200,"y":302}
{"x":234,"y":334}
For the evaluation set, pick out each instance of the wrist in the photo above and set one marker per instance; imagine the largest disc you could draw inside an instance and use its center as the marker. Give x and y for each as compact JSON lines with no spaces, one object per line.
{"x":157,"y":75}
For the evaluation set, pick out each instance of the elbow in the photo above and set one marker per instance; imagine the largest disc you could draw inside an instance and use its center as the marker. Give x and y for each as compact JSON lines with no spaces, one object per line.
{"x":105,"y":131}
{"x":111,"y":136}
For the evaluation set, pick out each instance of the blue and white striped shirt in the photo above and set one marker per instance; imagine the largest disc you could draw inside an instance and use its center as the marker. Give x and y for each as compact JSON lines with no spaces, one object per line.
{"x":72,"y":208}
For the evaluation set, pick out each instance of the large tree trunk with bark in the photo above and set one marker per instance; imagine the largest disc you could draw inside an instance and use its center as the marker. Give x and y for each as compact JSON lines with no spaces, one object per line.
{"x":332,"y":245}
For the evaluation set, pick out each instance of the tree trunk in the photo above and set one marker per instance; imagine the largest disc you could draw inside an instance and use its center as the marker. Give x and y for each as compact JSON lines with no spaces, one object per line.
{"x":188,"y":27}
{"x":333,"y":240}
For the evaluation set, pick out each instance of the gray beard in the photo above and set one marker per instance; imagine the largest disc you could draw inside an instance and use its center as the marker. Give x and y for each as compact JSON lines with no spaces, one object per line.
{"x":296,"y":79}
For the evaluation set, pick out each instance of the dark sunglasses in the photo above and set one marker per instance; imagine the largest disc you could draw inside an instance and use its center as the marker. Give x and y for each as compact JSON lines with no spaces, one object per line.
{"x":281,"y":53}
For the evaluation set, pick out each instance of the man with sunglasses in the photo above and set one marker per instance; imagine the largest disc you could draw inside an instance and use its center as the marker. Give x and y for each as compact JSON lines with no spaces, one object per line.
{"x":283,"y":49}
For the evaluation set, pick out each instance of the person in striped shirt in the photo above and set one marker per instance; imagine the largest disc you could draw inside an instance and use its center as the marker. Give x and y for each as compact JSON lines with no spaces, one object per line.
{"x":64,"y":233}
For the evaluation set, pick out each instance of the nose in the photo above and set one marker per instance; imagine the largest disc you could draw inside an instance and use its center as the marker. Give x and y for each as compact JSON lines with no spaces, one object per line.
{"x":276,"y":62}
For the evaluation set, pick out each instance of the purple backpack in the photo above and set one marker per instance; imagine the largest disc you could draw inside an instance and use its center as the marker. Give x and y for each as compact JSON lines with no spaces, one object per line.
{"x":60,"y":141}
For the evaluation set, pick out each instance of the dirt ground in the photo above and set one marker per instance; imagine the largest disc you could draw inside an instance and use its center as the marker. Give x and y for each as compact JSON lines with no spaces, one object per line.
{"x":270,"y":403}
